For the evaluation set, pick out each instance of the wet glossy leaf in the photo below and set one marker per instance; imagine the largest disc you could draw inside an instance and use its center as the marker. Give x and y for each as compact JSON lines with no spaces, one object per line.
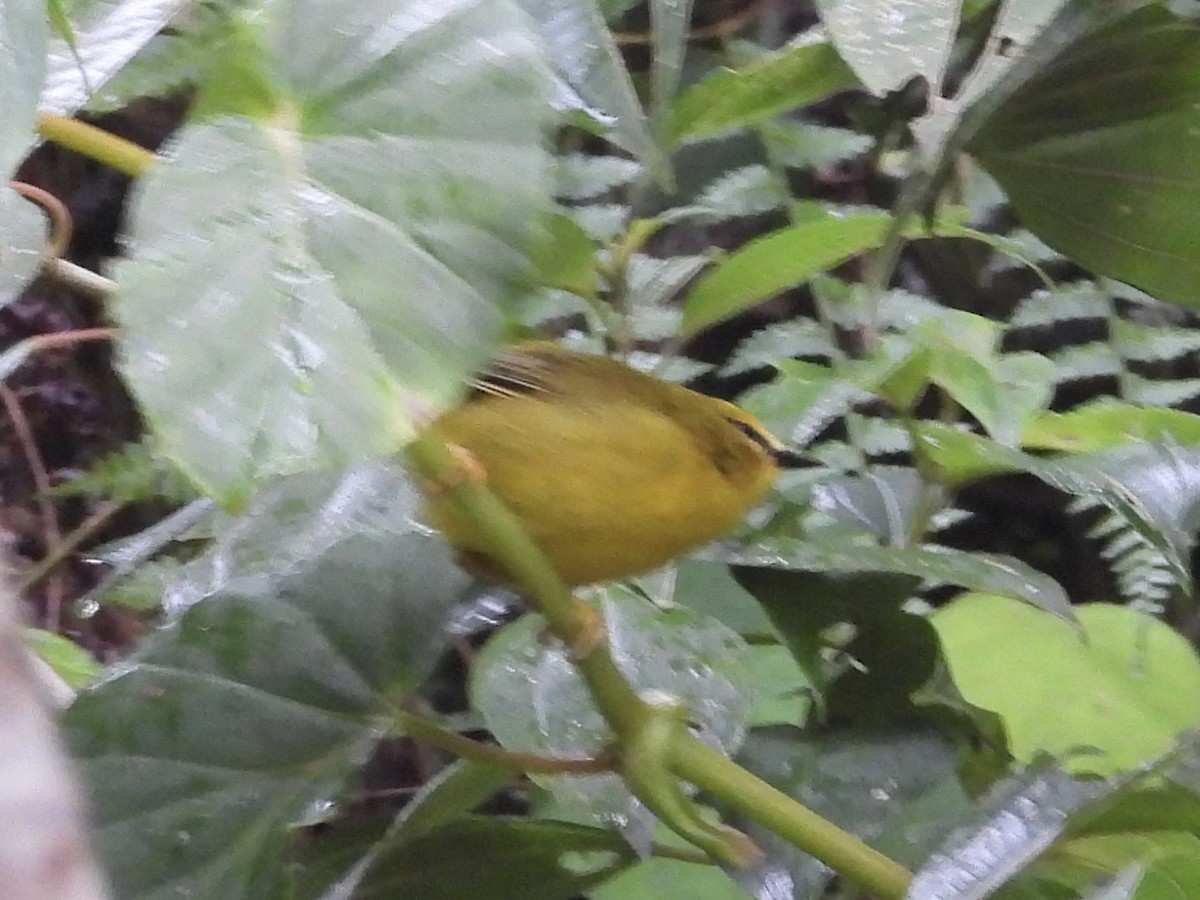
{"x":859,"y":779}
{"x":533,"y":699}
{"x":288,"y":641}
{"x":24,"y":34}
{"x":23,"y":235}
{"x":887,"y":42}
{"x":106,"y":34}
{"x":584,"y":52}
{"x":838,"y":551}
{"x":344,"y":260}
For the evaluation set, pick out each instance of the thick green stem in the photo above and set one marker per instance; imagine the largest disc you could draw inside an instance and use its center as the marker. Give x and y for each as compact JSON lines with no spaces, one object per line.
{"x":573,"y":622}
{"x":628,"y":714}
{"x":95,"y":143}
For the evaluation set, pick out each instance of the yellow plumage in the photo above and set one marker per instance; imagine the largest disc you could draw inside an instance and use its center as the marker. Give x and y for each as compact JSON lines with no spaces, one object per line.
{"x":612,"y":472}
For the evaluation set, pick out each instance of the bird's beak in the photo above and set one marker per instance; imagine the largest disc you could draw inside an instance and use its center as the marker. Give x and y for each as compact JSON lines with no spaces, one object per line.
{"x":792,"y":459}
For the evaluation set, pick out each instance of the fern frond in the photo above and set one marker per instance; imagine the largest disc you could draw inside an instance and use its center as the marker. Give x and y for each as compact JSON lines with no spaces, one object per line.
{"x":1094,"y":360}
{"x":136,"y":472}
{"x":1042,"y":309}
{"x":1143,"y":575}
{"x":804,"y":146}
{"x":582,"y":177}
{"x":1159,"y":392}
{"x":748,"y":191}
{"x":790,"y":339}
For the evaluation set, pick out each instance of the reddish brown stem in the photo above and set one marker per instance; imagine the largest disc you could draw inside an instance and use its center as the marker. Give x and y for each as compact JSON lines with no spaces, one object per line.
{"x":55,"y":589}
{"x":56,"y":211}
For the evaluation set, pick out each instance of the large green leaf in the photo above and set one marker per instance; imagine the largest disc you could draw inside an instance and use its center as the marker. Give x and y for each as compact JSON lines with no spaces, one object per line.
{"x":313,"y":615}
{"x":23,"y":38}
{"x":22,"y":242}
{"x":302,"y":284}
{"x":861,"y":779}
{"x":105,"y":35}
{"x":533,"y":699}
{"x":586,"y":54}
{"x":1089,"y":152}
{"x":1114,"y":696}
{"x":887,"y":42}
{"x":843,"y":550}
{"x":1043,"y":833}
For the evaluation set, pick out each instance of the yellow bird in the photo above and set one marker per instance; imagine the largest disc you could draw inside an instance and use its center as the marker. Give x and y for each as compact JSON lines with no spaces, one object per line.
{"x":611,"y":472}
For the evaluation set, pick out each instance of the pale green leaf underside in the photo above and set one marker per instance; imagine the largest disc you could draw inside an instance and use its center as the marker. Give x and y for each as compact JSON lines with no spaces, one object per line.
{"x":301,"y":288}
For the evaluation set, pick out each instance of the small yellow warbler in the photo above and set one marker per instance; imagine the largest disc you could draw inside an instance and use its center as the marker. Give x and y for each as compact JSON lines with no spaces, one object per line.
{"x":610,"y":471}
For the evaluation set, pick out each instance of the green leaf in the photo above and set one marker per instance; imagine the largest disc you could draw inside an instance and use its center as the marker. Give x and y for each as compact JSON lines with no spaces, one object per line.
{"x":324,"y":859}
{"x":136,"y":472}
{"x":509,"y":859}
{"x":733,"y":98}
{"x":1107,"y":423}
{"x":456,"y":790}
{"x":106,"y":35}
{"x":783,"y":259}
{"x":886,"y":45}
{"x":708,"y":589}
{"x":343,"y":263}
{"x":70,"y":662}
{"x":670,"y":879}
{"x":887,"y":501}
{"x":312,"y":616}
{"x":669,"y":24}
{"x":1104,"y":700}
{"x":840,"y":550}
{"x":1155,"y":488}
{"x":894,"y":651}
{"x":861,"y":779}
{"x":783,"y":694}
{"x":1103,"y":182}
{"x":533,"y":699}
{"x":1003,"y":833}
{"x":22,"y":68}
{"x":22,"y":242}
{"x":584,"y":52}
{"x":566,"y":258}
{"x":1002,"y":391}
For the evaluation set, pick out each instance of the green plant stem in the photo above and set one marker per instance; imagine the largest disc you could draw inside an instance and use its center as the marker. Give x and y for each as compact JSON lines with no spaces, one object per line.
{"x":626,"y":712}
{"x":422,"y":729}
{"x":722,"y":778}
{"x":570,"y":620}
{"x":884,"y":260}
{"x":95,"y":143}
{"x":68,"y":545}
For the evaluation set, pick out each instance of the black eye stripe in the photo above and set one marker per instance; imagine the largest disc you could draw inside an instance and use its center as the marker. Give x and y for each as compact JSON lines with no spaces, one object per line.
{"x":753,"y":433}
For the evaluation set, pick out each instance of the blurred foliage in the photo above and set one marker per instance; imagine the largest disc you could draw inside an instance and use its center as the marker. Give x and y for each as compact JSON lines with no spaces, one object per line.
{"x":947,"y":249}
